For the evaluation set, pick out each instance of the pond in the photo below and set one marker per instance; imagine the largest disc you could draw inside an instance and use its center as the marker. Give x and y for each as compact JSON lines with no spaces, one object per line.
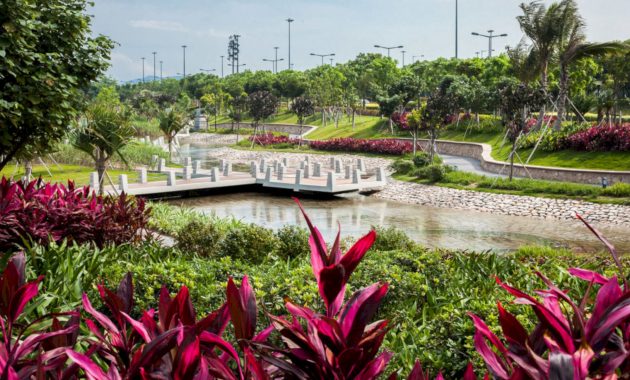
{"x":432,"y":227}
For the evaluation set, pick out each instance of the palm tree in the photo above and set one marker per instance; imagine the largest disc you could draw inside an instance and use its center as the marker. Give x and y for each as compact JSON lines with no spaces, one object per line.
{"x":573,"y":47}
{"x":171,"y":122}
{"x":543,"y":27}
{"x":103,"y":131}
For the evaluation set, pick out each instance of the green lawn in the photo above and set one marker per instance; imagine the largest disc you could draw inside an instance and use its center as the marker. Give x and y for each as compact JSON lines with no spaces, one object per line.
{"x":79,"y":174}
{"x":563,"y":158}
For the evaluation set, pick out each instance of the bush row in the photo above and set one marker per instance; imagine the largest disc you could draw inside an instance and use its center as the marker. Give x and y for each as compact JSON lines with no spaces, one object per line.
{"x":384,"y":146}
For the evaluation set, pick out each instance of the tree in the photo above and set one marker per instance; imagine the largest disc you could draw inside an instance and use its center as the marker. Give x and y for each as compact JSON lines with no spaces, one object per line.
{"x":572,"y":48}
{"x":262,"y":104}
{"x":289,"y":84}
{"x":544,"y":28}
{"x":518,"y":101}
{"x":440,"y":106}
{"x":103,"y":130}
{"x":302,"y":107}
{"x":171,"y":121}
{"x":325,"y":85}
{"x":48,"y":56}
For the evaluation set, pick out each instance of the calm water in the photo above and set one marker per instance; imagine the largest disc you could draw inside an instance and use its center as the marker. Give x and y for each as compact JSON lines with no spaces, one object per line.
{"x":433,"y":227}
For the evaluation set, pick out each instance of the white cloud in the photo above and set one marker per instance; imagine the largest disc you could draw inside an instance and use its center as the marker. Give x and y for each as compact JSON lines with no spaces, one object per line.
{"x":169,"y":26}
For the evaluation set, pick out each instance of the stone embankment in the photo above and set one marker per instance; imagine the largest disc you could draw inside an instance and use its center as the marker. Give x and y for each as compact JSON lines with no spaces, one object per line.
{"x":505,"y":204}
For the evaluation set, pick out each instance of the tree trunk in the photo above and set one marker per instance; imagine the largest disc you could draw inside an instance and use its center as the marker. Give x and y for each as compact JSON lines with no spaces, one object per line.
{"x":353,"y":123}
{"x":100,"y":169}
{"x":415,"y":141}
{"x":432,"y":145}
{"x":562,"y":97}
{"x":512,"y":163}
{"x":543,"y":85}
{"x":170,"y":149}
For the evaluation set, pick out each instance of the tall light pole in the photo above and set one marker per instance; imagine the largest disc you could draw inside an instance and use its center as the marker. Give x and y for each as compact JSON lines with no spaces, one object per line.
{"x":413,"y":57}
{"x":289,"y":21}
{"x":275,"y":63}
{"x":154,"y":77}
{"x":388,"y":48}
{"x":184,"y":53}
{"x":403,"y":56}
{"x":489,"y":36}
{"x":331,"y":61}
{"x":274,"y":66}
{"x":208,"y":70}
{"x":222,"y":65}
{"x":143,"y":69}
{"x":160,"y":71}
{"x":322,"y":56}
{"x":456,"y":29}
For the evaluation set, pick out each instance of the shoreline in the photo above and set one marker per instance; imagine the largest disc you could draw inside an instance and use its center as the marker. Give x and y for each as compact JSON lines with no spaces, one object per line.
{"x":443,"y":197}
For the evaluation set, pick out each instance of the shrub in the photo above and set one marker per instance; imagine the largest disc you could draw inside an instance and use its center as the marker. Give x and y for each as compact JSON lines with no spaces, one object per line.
{"x":538,"y":186}
{"x":45,"y":212}
{"x":421,"y":159}
{"x":432,"y":173}
{"x":402,"y":166}
{"x":602,"y":138}
{"x":250,"y":243}
{"x":391,"y":239}
{"x":618,"y":189}
{"x":292,"y":242}
{"x":385,"y":146}
{"x":266,"y":139}
{"x":199,"y":238}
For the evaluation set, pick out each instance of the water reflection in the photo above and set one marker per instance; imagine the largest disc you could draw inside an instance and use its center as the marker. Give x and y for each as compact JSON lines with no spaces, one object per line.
{"x":433,"y":227}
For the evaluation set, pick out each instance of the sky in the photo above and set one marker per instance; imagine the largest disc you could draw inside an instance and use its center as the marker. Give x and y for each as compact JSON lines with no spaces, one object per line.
{"x":343,"y":27}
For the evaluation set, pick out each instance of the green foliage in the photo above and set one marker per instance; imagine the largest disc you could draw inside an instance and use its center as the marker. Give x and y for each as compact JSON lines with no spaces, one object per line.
{"x":250,"y":243}
{"x":540,"y":187}
{"x":48,"y":56}
{"x":432,"y":173}
{"x":402,"y":166}
{"x":199,"y":238}
{"x":391,"y":239}
{"x":421,"y":159}
{"x":292,"y":242}
{"x":618,"y":189}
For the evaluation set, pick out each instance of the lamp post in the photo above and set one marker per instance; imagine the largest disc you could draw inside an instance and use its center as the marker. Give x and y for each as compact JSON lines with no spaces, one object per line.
{"x":289,"y":21}
{"x":208,"y":70}
{"x":184,"y":54}
{"x":413,"y":57}
{"x":274,"y":66}
{"x":331,"y":61}
{"x":160,"y":71}
{"x":142,"y":69}
{"x":388,"y":48}
{"x":154,"y":77}
{"x":403,"y":58}
{"x":322,"y":56}
{"x":456,"y":29}
{"x":489,"y":36}
{"x":222,"y":65}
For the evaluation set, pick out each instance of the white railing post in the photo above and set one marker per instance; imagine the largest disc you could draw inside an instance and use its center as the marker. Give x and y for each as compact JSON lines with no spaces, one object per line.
{"x":94,"y":181}
{"x":337,"y":166}
{"x":361,"y":165}
{"x":214,"y":174}
{"x":171,"y":179}
{"x":187,"y":173}
{"x":281,"y":172}
{"x":227,"y":169}
{"x":317,"y":170}
{"x":187,"y":161}
{"x":307,"y":170}
{"x":330,"y":181}
{"x":196,"y":166}
{"x":348,"y":170}
{"x":142,"y":175}
{"x":380,"y":175}
{"x":253,"y":169}
{"x":123,"y":183}
{"x":298,"y":179}
{"x":161,"y":165}
{"x":356,"y":176}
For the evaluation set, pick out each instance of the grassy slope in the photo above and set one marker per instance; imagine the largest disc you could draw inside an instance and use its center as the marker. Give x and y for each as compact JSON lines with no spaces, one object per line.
{"x":79,"y":174}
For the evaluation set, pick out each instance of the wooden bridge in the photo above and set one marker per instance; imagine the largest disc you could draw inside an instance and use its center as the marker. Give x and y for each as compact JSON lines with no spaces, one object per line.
{"x":304,"y":177}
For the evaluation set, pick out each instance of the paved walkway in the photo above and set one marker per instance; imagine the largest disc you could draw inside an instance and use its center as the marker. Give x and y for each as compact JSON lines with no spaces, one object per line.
{"x":471,"y":165}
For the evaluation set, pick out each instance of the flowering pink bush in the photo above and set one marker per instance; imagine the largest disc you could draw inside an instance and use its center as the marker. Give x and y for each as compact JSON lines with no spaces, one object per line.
{"x":53,"y":212}
{"x":400,"y":120}
{"x":269,"y":139}
{"x":385,"y":146}
{"x":602,"y":139}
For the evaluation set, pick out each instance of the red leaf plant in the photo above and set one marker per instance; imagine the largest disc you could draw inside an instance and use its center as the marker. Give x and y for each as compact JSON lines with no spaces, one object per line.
{"x":572,"y":340}
{"x":24,"y":351}
{"x":44,"y":212}
{"x":384,"y":146}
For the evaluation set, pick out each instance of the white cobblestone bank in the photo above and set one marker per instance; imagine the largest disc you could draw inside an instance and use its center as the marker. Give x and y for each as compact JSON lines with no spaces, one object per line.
{"x":209,"y":139}
{"x":505,"y":204}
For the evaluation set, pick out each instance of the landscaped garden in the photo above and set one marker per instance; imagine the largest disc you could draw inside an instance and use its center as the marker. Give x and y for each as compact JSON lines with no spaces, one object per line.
{"x":101,"y":286}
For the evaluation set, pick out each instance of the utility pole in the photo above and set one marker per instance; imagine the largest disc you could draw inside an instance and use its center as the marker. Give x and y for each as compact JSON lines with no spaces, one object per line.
{"x":160,"y":71}
{"x":289,"y":21}
{"x":222,"y":65}
{"x":456,"y":29}
{"x":233,"y":52}
{"x":154,"y":77}
{"x":184,"y":51}
{"x":142,"y":69}
{"x":388,"y":48}
{"x":490,"y":37}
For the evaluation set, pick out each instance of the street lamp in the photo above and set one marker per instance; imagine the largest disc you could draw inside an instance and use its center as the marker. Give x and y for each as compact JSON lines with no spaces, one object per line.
{"x":413,"y":57}
{"x":222,"y":65}
{"x":208,"y":70}
{"x":322,"y":56}
{"x":403,"y":56}
{"x":154,"y":77}
{"x":143,"y":69}
{"x":161,"y":71}
{"x":274,"y":63}
{"x":388,"y":48}
{"x":456,"y":29}
{"x":184,"y":53}
{"x":331,"y":61}
{"x":289,"y":21}
{"x":489,"y":36}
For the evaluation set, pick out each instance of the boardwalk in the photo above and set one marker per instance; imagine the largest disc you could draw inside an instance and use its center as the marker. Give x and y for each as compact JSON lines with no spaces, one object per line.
{"x":303,"y":176}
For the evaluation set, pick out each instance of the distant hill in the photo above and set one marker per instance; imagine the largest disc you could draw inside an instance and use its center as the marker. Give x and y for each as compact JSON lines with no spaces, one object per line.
{"x":149,"y":79}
